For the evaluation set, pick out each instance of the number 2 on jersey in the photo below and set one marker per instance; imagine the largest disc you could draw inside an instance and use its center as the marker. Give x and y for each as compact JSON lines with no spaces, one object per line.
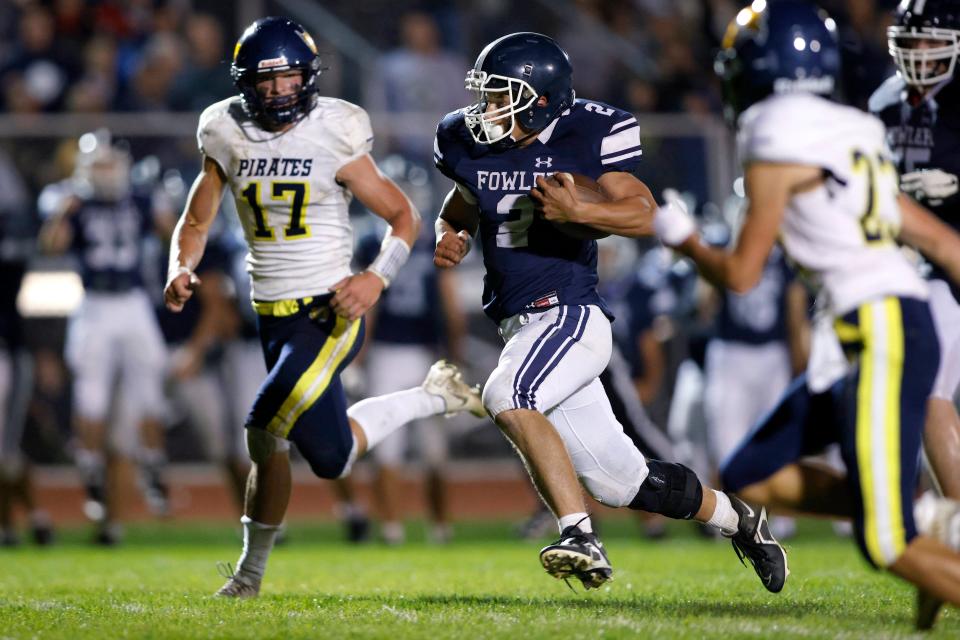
{"x":298,"y":193}
{"x":876,"y":229}
{"x":518,"y":209}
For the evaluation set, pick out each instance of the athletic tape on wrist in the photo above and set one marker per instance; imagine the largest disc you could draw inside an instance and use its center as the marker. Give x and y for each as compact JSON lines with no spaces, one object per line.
{"x":393,"y":255}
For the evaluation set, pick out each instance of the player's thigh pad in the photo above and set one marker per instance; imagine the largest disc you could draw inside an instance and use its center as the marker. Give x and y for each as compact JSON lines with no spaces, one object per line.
{"x":946,"y":317}
{"x":609,"y":465}
{"x":887,"y":396}
{"x":743,"y":382}
{"x":90,"y":351}
{"x":548,"y":357}
{"x":144,"y":355}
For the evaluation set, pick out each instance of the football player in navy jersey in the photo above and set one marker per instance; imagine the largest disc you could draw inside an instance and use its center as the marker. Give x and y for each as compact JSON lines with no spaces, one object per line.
{"x":920,"y":106}
{"x":541,"y":290}
{"x":114,"y":334}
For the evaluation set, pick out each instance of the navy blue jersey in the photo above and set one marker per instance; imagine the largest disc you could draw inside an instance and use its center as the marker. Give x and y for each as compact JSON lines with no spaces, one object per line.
{"x":108,"y":242}
{"x":530,"y":264}
{"x":924,"y":134}
{"x":408,"y":312}
{"x":759,"y":315}
{"x":637,"y":302}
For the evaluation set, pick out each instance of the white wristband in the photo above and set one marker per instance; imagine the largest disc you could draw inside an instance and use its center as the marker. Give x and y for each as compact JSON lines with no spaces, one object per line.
{"x":393,"y":255}
{"x":672,"y":223}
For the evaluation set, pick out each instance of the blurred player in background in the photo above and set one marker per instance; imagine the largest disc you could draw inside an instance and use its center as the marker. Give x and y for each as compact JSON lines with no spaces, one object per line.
{"x":417,"y":318}
{"x":826,"y":186}
{"x":756,"y":349}
{"x":293,"y":160}
{"x":113,"y":341}
{"x":920,"y":107}
{"x":17,"y":245}
{"x":541,"y":289}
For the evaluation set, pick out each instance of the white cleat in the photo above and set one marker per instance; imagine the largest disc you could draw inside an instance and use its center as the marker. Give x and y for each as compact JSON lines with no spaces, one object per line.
{"x":938,"y":518}
{"x":237,"y":586}
{"x":445,"y":381}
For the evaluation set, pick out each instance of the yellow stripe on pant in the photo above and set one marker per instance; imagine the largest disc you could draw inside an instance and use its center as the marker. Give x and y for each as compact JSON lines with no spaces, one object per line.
{"x":316,"y":378}
{"x":878,"y":429}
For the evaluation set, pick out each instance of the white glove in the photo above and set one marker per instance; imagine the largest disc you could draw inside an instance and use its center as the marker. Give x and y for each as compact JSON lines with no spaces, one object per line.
{"x":929,"y":184}
{"x":672,"y":222}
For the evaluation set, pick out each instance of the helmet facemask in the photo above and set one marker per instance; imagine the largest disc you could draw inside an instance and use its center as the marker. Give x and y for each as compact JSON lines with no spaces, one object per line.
{"x":279,"y":110}
{"x":515,"y":96}
{"x":924,"y":66}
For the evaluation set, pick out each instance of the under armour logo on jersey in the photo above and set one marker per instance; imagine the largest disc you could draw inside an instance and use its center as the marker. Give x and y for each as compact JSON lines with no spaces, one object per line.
{"x":541,"y":162}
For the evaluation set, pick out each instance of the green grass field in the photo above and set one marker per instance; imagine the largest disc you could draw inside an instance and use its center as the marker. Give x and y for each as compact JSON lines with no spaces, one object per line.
{"x":484,"y":585}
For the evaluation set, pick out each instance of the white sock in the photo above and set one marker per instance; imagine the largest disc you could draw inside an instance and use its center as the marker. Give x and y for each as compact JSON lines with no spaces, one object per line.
{"x":91,"y":465}
{"x":581,"y":520}
{"x":257,"y":543}
{"x":153,"y":458}
{"x":381,"y":416}
{"x":724,"y":517}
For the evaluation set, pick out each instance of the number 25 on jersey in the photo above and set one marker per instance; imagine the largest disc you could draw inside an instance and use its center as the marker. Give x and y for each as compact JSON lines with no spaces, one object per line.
{"x":293,"y":195}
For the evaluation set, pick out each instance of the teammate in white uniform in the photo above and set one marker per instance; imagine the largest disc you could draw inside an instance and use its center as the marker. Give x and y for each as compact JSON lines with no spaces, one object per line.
{"x":819,"y":174}
{"x":292,"y":160}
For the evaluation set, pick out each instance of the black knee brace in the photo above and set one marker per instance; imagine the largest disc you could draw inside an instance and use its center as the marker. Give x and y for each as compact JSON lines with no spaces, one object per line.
{"x":670,"y":489}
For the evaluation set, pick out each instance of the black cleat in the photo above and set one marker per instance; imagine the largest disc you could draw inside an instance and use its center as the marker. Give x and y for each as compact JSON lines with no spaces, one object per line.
{"x":928,"y":607}
{"x":754,"y":542}
{"x":577,"y":554}
{"x":42,"y":534}
{"x":357,"y":528}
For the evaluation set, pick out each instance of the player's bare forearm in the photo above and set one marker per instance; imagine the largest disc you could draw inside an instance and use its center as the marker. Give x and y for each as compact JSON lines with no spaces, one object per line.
{"x":937,"y":241}
{"x":457,"y":214}
{"x":769,"y":187}
{"x":630,"y":211}
{"x":190,"y":233}
{"x":630,"y":217}
{"x":455,"y":228}
{"x":381,"y":196}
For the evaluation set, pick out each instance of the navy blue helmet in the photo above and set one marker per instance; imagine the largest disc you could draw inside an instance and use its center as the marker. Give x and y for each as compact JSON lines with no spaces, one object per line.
{"x":777,"y":46}
{"x":925,"y":41}
{"x":272,"y":45}
{"x":513,"y":73}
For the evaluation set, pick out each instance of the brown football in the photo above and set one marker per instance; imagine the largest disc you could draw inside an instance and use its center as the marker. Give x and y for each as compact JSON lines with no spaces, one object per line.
{"x":588,"y":190}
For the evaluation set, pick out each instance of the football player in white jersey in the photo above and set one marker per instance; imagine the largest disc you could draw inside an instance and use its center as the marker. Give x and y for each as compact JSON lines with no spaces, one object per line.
{"x":819,"y":174}
{"x":292,"y":159}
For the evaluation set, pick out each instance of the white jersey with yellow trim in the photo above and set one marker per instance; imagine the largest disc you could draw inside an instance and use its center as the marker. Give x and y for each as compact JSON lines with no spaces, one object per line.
{"x":844,"y":230}
{"x":293,"y":212}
